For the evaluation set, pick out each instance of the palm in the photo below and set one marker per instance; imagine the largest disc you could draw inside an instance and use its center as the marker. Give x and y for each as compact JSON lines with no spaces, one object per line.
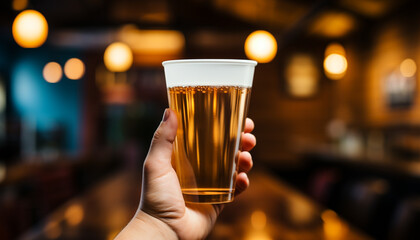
{"x":171,"y":208}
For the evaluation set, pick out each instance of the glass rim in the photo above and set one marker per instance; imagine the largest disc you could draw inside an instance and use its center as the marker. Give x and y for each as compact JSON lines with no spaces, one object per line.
{"x":212,"y":61}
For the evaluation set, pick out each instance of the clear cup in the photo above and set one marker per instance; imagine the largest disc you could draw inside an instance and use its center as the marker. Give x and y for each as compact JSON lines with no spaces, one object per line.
{"x":211,"y":98}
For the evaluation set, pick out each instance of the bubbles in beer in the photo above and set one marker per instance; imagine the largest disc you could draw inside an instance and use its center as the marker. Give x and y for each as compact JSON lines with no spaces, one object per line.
{"x":210,"y":122}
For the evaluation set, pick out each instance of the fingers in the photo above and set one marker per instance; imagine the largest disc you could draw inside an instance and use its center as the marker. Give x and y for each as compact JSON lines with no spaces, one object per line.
{"x":245,"y":162}
{"x":160,"y":150}
{"x":248,"y":142}
{"x":242,"y":183}
{"x":249,"y":125}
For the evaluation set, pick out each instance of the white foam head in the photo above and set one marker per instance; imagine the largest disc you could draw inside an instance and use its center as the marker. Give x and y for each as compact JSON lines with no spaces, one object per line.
{"x":209,"y":72}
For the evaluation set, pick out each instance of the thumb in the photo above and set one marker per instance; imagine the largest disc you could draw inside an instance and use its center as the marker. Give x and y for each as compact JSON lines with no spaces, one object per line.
{"x":158,"y":159}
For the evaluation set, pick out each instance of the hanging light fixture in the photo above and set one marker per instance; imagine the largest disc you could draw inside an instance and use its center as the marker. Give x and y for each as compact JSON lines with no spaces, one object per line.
{"x":261,"y":46}
{"x":335,"y":62}
{"x":30,"y":29}
{"x":118,"y":57}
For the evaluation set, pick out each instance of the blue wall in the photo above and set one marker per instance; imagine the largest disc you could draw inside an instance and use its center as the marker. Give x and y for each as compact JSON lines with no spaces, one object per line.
{"x":48,"y":104}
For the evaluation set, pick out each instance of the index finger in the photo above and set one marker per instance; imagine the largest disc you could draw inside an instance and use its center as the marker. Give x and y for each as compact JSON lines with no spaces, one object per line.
{"x":249,"y":125}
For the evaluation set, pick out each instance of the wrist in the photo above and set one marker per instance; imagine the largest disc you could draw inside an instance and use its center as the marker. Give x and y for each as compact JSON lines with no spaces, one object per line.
{"x":145,"y":226}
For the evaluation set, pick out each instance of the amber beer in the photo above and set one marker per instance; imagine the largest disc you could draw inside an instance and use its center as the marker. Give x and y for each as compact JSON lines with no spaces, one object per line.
{"x":210,"y":122}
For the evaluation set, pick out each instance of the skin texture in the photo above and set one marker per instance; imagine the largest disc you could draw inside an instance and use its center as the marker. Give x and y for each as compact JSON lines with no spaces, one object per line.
{"x":162,"y":213}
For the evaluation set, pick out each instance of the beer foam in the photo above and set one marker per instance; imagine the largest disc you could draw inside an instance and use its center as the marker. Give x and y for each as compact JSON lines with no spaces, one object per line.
{"x":209,"y":72}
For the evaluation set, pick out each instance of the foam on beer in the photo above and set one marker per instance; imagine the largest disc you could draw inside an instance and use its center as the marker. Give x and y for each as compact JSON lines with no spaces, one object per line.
{"x":209,"y":72}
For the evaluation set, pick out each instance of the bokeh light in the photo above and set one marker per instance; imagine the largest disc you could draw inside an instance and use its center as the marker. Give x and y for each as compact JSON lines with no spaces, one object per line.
{"x":408,"y":67}
{"x":74,"y":215}
{"x":111,"y":235}
{"x":261,"y":46}
{"x":2,"y":97}
{"x":52,"y":72}
{"x":19,"y":5}
{"x":335,"y":66}
{"x":302,"y":76}
{"x":30,"y":29}
{"x":335,"y":48}
{"x":74,"y":69}
{"x":52,"y":230}
{"x":334,"y":228}
{"x":335,"y":62}
{"x":2,"y":172}
{"x":258,"y":220}
{"x":118,"y":57}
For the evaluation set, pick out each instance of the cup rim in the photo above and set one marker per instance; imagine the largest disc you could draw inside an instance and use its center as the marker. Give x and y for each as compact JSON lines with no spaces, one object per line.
{"x":212,"y":61}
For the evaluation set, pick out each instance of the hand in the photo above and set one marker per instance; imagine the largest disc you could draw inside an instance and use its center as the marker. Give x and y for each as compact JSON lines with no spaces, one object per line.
{"x":162,"y":213}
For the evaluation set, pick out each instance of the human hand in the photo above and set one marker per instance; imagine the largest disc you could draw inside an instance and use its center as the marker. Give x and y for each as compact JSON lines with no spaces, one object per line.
{"x":162,"y":213}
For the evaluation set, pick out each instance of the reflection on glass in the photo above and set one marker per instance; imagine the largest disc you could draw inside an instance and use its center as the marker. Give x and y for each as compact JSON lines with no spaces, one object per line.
{"x":52,"y":72}
{"x":118,"y":57}
{"x":30,"y":29}
{"x":261,"y":46}
{"x":74,"y":215}
{"x":74,"y":69}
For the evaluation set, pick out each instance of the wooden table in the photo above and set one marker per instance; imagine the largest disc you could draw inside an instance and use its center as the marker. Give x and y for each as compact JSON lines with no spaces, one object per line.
{"x":269,"y":209}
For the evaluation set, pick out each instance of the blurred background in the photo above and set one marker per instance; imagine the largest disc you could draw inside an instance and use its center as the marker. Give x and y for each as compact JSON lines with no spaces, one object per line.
{"x":335,"y":102}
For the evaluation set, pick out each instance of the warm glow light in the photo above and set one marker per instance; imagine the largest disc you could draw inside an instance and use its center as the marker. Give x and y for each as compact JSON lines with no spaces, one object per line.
{"x":52,"y":72}
{"x":74,"y":215}
{"x":261,"y":46}
{"x":258,"y":235}
{"x":161,"y":42}
{"x":30,"y":29}
{"x":335,"y":48}
{"x":335,"y":66}
{"x":2,"y":172}
{"x":118,"y":57}
{"x":74,"y":68}
{"x":302,"y":76}
{"x":408,"y":67}
{"x":52,"y":230}
{"x":334,"y":228}
{"x":151,"y":47}
{"x":112,"y":235}
{"x":333,"y":24}
{"x":2,"y":97}
{"x":258,"y":220}
{"x":19,"y":5}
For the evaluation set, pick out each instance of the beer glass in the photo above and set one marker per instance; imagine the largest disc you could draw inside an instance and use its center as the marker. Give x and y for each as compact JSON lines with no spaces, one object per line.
{"x":210,"y":97}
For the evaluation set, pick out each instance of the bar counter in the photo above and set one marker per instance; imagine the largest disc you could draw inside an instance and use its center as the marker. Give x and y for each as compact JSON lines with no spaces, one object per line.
{"x":269,"y":209}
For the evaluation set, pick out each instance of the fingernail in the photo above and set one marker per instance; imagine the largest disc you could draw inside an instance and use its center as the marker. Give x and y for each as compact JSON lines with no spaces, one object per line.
{"x":165,"y":115}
